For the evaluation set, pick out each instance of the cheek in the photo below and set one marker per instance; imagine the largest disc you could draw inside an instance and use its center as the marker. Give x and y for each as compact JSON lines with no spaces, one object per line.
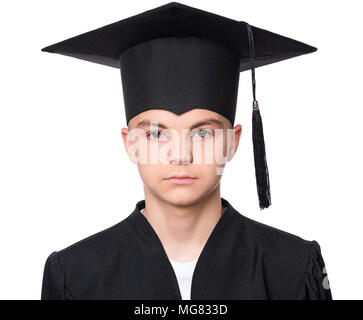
{"x":220,"y":149}
{"x":207,"y":174}
{"x":150,"y":173}
{"x":203,"y":151}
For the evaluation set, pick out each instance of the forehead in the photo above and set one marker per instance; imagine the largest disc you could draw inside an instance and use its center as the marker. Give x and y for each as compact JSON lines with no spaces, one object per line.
{"x":184,"y":120}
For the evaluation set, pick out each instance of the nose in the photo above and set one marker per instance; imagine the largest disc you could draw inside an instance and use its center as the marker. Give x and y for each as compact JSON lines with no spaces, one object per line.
{"x":180,"y":151}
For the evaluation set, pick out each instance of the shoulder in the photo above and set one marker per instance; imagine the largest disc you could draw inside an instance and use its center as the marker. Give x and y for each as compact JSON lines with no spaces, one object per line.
{"x":95,"y":250}
{"x":279,"y":247}
{"x":274,"y":239}
{"x":69,"y":271}
{"x":283,"y":258}
{"x":293,"y":266}
{"x":268,"y":240}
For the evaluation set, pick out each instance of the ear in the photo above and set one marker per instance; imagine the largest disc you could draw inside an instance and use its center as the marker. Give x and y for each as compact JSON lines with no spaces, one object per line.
{"x":125,"y":133}
{"x":132,"y":148}
{"x":233,"y":146}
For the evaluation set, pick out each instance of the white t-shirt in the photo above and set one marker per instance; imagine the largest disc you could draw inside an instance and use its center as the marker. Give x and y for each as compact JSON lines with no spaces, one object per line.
{"x":184,"y":273}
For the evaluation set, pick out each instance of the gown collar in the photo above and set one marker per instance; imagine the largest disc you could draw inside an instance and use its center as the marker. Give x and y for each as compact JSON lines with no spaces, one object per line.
{"x":149,"y":240}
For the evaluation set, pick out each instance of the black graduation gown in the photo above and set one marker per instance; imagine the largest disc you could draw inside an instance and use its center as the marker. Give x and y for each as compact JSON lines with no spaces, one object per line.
{"x":242,"y":259}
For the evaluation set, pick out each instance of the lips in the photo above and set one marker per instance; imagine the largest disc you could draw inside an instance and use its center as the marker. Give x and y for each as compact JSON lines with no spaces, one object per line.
{"x":181,"y":179}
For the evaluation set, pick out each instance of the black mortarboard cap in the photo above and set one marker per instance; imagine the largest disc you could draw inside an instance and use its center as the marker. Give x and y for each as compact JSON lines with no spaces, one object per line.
{"x":176,"y":57}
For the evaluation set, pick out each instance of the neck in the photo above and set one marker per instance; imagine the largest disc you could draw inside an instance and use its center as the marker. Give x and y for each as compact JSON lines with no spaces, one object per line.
{"x":183,"y":229}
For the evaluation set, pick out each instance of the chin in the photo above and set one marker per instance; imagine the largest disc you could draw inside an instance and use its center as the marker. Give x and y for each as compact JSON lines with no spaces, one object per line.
{"x":182,"y":197}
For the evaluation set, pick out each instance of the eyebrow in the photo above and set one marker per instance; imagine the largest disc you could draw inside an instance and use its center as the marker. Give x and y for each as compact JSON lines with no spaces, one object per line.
{"x":146,"y":123}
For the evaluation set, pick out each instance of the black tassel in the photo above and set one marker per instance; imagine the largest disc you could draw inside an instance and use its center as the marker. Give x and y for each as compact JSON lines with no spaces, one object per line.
{"x":259,"y":152}
{"x":261,"y":169}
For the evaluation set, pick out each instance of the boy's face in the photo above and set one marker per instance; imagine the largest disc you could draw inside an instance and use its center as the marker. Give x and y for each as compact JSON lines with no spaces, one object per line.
{"x":195,"y":144}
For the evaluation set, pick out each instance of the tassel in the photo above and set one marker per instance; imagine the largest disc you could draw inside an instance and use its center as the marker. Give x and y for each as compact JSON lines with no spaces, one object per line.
{"x":259,"y":152}
{"x":261,"y":169}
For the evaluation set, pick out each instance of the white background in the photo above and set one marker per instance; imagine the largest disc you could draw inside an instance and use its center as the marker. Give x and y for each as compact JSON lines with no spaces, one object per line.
{"x":64,"y":173}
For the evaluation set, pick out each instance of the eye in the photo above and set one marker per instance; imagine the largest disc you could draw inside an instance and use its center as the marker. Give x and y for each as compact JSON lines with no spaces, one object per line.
{"x":156,"y":135}
{"x":204,"y":133}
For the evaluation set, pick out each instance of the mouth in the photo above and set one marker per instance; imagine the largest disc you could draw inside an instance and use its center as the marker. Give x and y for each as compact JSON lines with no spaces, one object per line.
{"x":181,"y":179}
